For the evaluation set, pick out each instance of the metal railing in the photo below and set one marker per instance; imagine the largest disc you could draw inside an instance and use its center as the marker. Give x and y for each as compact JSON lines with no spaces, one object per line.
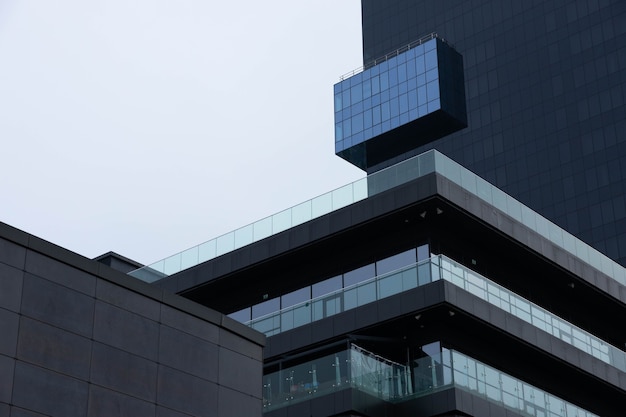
{"x":395,"y":53}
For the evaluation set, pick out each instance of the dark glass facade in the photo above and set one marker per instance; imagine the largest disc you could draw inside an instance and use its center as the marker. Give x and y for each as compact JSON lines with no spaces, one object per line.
{"x":545,"y":86}
{"x":408,"y":99}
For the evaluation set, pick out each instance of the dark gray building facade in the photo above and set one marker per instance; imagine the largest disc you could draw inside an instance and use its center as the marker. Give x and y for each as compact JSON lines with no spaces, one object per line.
{"x":81,"y":339}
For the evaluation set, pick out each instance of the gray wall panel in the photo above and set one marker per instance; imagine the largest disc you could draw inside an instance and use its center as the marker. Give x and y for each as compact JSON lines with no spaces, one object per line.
{"x":20,"y":412}
{"x":190,"y":324}
{"x":124,"y":372}
{"x":236,"y":404}
{"x":56,"y":395}
{"x":235,"y":373}
{"x":125,"y":330}
{"x":6,"y":378}
{"x":231,"y":341}
{"x":55,"y":271}
{"x":78,"y":339}
{"x":57,"y":305}
{"x":167,"y":412}
{"x":186,"y":393}
{"x":128,"y":300}
{"x":12,"y":254}
{"x":104,"y":402}
{"x":8,"y":332}
{"x":54,"y":348}
{"x":10,"y":287}
{"x":190,"y":354}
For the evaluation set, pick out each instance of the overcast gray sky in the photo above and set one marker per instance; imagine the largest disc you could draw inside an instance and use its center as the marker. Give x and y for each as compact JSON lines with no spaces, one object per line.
{"x":149,"y":126}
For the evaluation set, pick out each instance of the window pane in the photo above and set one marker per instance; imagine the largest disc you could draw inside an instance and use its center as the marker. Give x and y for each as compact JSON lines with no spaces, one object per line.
{"x":241,"y":316}
{"x":326,"y":286}
{"x":295,"y":297}
{"x":395,"y":262}
{"x":358,"y":275}
{"x":423,"y":252}
{"x":265,"y":307}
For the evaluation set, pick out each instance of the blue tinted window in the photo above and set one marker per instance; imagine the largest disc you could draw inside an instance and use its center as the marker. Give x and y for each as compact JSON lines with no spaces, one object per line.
{"x":385,"y":112}
{"x":412,"y":95}
{"x":394,"y":107}
{"x":401,"y":73}
{"x":241,"y":316}
{"x":403,"y":102}
{"x":357,"y":123}
{"x":376,"y":115}
{"x":367,"y":88}
{"x":421,"y":95}
{"x":295,"y":297}
{"x":266,"y":307}
{"x":403,"y":88}
{"x":432,"y":90}
{"x":393,"y":76}
{"x":410,"y":69}
{"x":433,"y":105}
{"x":395,"y":262}
{"x":431,"y":75}
{"x":356,"y":93}
{"x":420,"y":65}
{"x":347,"y":128}
{"x":326,"y":286}
{"x":338,"y":132}
{"x":375,"y":83}
{"x":345,"y":98}
{"x":431,"y":59}
{"x":367,"y":118}
{"x":360,"y":274}
{"x":384,"y":81}
{"x":423,"y":252}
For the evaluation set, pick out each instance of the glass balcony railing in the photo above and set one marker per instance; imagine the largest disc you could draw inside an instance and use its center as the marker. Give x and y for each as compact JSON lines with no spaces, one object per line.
{"x":410,"y":169}
{"x":356,"y":368}
{"x":254,"y":232}
{"x":352,"y":368}
{"x":424,"y":272}
{"x":497,"y":387}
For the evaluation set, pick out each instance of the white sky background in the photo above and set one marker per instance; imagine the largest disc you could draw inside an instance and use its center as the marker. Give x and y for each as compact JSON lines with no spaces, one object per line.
{"x":148,"y":126}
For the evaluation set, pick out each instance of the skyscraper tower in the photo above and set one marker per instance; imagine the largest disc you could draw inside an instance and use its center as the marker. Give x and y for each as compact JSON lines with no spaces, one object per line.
{"x":546,"y":99}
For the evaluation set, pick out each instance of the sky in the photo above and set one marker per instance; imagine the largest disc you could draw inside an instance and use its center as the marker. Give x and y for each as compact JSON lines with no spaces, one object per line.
{"x":145,"y":127}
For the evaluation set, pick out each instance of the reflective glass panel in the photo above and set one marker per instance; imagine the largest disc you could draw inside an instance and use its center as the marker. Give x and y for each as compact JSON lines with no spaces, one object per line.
{"x":265,"y":307}
{"x":327,"y":286}
{"x":295,"y":297}
{"x":358,"y":275}
{"x":395,"y":262}
{"x":241,"y":315}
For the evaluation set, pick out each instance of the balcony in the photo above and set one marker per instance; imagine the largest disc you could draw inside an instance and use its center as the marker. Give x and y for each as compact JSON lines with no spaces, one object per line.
{"x":359,"y":369}
{"x":422,"y":273}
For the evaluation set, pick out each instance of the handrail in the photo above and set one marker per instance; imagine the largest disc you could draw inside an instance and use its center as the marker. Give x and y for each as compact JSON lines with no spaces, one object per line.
{"x":397,"y":52}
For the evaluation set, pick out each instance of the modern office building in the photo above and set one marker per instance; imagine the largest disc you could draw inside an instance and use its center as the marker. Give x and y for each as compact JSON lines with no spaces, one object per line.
{"x":457,"y":279}
{"x":476,"y":271}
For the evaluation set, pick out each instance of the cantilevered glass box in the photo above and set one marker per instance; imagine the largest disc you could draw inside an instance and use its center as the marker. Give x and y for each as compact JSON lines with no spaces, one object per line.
{"x":405,"y":101}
